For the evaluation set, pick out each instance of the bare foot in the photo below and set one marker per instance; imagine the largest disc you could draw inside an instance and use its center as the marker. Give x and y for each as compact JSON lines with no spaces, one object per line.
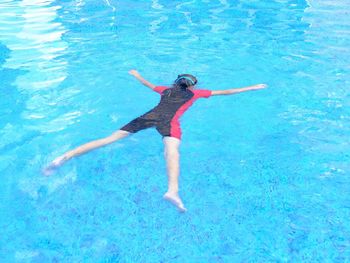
{"x":50,"y":169}
{"x":175,"y":200}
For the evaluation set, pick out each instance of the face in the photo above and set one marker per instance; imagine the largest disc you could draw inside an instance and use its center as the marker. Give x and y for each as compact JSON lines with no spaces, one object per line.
{"x":189,"y":78}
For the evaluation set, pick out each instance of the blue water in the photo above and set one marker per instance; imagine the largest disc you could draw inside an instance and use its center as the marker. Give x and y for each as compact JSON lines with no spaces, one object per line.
{"x":264,"y":174}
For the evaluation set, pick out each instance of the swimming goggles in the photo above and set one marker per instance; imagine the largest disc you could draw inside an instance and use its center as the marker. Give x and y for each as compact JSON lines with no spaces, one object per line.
{"x":187,"y":78}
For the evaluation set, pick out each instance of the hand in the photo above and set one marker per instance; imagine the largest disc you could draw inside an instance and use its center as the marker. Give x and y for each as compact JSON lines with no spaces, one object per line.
{"x":134,"y":73}
{"x":259,"y":86}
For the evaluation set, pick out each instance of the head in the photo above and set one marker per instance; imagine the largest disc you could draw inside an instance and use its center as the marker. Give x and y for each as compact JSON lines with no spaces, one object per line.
{"x":185,"y":81}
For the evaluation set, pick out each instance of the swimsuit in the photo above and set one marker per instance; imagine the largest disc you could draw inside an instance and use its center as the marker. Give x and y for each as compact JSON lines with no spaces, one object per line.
{"x":165,"y":116}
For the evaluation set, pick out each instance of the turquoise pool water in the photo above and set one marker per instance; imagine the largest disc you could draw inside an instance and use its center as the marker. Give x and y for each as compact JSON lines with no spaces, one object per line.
{"x":264,"y":174}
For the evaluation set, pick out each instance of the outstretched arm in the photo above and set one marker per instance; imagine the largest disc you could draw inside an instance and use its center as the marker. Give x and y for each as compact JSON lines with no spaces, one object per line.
{"x":137,"y":75}
{"x":235,"y":90}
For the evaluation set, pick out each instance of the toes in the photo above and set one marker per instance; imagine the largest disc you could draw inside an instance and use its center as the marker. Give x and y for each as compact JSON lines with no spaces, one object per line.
{"x":182,"y":208}
{"x":175,"y":200}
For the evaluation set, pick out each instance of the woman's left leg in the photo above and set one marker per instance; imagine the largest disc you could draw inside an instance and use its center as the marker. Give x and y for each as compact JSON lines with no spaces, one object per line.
{"x":172,"y":157}
{"x":83,"y":149}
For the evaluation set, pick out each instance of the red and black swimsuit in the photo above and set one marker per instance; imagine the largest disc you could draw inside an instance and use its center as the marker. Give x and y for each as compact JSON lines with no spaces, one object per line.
{"x":165,"y":116}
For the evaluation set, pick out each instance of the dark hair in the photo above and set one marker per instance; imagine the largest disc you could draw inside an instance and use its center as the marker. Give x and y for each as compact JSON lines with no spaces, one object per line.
{"x":184,"y":81}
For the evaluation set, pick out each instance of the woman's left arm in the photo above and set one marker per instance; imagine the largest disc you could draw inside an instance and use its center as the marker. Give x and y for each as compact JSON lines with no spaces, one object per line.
{"x":137,"y":75}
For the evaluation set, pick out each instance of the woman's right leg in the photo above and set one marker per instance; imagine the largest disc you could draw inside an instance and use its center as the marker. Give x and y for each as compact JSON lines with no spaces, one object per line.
{"x":172,"y":157}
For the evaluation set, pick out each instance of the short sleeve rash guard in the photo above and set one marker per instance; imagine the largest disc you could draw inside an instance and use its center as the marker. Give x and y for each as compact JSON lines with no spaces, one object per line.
{"x":165,"y":116}
{"x":160,"y":89}
{"x":202,"y":93}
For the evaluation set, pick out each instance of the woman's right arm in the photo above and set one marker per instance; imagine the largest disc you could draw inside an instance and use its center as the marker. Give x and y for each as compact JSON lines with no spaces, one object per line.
{"x":238,"y":90}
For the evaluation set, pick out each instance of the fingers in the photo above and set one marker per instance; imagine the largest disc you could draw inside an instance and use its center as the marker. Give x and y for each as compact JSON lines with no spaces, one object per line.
{"x":133,"y":72}
{"x":260,"y":86}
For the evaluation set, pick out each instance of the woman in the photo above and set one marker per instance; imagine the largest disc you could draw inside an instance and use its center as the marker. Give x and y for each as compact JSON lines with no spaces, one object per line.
{"x":164,"y":117}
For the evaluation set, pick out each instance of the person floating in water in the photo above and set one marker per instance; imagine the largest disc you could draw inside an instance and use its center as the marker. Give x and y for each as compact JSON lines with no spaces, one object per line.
{"x":164,"y":117}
